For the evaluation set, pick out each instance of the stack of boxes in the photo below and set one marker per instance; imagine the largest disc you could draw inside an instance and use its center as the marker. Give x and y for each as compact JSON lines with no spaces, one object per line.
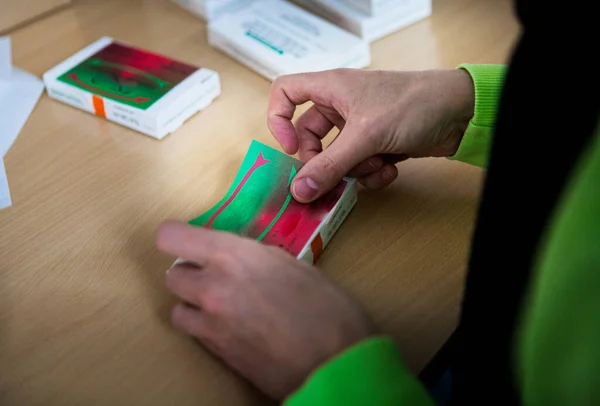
{"x":276,"y":37}
{"x":369,"y":19}
{"x":209,"y":10}
{"x":279,"y":37}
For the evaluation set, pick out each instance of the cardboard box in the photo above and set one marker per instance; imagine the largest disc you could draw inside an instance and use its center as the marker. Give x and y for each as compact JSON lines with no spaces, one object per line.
{"x":314,"y":247}
{"x":209,"y":10}
{"x":274,"y":37}
{"x":259,"y":206}
{"x":14,"y":13}
{"x":330,"y":225}
{"x":369,"y":28}
{"x":147,"y":92}
{"x":372,"y":7}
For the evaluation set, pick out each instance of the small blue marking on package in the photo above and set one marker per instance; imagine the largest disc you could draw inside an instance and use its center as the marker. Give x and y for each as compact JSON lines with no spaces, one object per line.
{"x":262,"y":41}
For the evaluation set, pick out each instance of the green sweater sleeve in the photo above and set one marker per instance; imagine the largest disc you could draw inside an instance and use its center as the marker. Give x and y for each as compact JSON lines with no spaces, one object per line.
{"x":475,"y":145}
{"x":370,"y":373}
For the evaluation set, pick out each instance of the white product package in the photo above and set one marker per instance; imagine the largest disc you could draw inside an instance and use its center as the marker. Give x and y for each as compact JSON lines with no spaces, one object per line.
{"x":209,"y":10}
{"x":139,"y":89}
{"x":369,"y":28}
{"x":372,"y":7}
{"x":274,"y":37}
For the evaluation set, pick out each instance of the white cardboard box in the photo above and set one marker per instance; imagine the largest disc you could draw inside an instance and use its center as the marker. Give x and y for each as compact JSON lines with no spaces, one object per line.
{"x":209,"y":10}
{"x":372,"y":7}
{"x":274,"y":37}
{"x":370,"y":28}
{"x":145,"y":91}
{"x":330,"y":225}
{"x":268,"y":213}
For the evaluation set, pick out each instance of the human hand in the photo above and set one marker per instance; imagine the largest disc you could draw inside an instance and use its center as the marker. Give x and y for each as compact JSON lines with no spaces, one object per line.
{"x":269,"y":316}
{"x":383,"y":116}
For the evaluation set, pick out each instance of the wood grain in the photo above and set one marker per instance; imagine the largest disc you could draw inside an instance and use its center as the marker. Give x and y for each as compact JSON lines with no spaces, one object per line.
{"x":83,"y":308}
{"x":16,"y":13}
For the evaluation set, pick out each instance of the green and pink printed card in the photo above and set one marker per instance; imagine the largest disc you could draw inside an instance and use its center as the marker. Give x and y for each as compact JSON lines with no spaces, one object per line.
{"x":137,"y":88}
{"x":259,"y":205}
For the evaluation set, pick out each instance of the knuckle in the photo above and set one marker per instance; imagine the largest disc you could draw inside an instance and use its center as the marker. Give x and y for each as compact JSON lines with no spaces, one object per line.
{"x":330,"y":165}
{"x":270,"y":126}
{"x":278,"y":82}
{"x":347,"y":77}
{"x":226,"y":260}
{"x":362,"y":123}
{"x":170,"y":281}
{"x":212,"y":302}
{"x":173,"y":278}
{"x":341,"y":72}
{"x":179,"y":318}
{"x":281,"y":81}
{"x":197,"y":295}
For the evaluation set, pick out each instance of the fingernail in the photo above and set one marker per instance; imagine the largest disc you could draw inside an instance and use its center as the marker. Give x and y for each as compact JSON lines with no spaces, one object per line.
{"x":372,"y":164}
{"x":389,"y":173}
{"x":305,"y":189}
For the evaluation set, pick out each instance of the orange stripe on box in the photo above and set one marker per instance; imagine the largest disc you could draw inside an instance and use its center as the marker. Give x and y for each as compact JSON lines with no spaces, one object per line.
{"x":316,"y":247}
{"x":98,"y":106}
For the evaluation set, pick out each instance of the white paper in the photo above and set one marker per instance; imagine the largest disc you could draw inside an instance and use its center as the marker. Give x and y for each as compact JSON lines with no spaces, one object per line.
{"x":4,"y":191}
{"x":5,"y":57}
{"x":19,"y":93}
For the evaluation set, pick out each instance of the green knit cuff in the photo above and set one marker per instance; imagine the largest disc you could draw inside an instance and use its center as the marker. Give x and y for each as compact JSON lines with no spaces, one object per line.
{"x":369,"y":373}
{"x":488,"y":81}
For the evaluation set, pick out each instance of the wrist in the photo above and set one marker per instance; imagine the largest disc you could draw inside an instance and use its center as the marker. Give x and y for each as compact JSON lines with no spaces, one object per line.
{"x":465,"y":98}
{"x":460,"y":109}
{"x":487,"y":82}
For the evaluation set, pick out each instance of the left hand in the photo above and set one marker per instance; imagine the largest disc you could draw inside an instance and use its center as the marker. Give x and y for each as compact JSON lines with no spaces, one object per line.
{"x":384,"y":117}
{"x":269,"y":316}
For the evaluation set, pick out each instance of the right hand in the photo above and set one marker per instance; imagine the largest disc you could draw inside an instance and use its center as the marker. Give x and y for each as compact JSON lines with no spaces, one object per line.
{"x":383,"y":116}
{"x":271,"y":317}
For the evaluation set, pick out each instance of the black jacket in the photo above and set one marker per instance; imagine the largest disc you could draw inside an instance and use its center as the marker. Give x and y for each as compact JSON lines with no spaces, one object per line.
{"x":547,"y":114}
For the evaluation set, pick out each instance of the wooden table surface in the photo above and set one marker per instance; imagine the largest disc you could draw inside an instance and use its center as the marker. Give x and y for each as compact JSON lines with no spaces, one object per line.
{"x":83,"y":308}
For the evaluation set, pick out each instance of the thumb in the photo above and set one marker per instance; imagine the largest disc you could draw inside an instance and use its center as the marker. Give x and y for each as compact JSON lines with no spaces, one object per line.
{"x":324,"y":171}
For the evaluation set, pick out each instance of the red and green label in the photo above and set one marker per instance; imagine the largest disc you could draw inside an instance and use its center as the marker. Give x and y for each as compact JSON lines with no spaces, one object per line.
{"x":259,"y":203}
{"x":128,"y":75}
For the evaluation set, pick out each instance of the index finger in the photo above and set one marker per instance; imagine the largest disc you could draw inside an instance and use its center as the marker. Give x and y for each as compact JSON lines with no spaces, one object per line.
{"x":192,"y":243}
{"x":289,"y":91}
